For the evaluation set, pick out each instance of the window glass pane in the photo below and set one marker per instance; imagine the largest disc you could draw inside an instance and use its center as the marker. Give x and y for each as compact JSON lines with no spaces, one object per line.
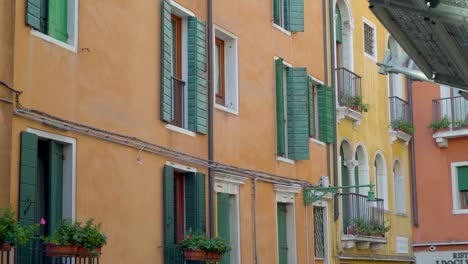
{"x":319,"y":234}
{"x":174,"y":47}
{"x":216,"y":73}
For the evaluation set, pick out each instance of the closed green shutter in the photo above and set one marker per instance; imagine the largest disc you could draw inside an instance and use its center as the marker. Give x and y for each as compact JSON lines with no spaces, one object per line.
{"x":55,"y":184}
{"x":197,"y":81}
{"x":276,"y":11}
{"x":169,"y":216}
{"x":58,"y":20}
{"x":280,"y":131}
{"x":27,"y":191}
{"x":223,"y":212}
{"x":282,"y":234}
{"x":166,"y":61}
{"x":36,"y":14}
{"x":294,"y":15}
{"x":195,"y":202}
{"x":298,"y":116}
{"x":325,"y":114}
{"x":310,"y":96}
{"x":338,"y":25}
{"x":462,"y":178}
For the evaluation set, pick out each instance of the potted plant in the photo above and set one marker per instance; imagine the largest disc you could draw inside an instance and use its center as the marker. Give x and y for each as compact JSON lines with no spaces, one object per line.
{"x":357,"y":103}
{"x":200,"y":247}
{"x":91,"y":239}
{"x":403,"y":125}
{"x":64,"y":240}
{"x":361,"y":227}
{"x":461,"y":123}
{"x":440,"y":124}
{"x":12,"y":233}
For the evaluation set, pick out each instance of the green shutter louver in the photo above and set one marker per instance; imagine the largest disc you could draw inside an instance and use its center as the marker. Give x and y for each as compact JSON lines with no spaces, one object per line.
{"x":310,"y":96}
{"x":282,"y":234}
{"x":195,"y":215}
{"x":27,"y":190}
{"x":170,"y":251}
{"x":224,"y":222}
{"x":462,"y":178}
{"x":197,"y":80}
{"x":36,"y":15}
{"x":58,"y":20}
{"x":280,"y":121}
{"x":298,"y":116}
{"x":325,"y":114}
{"x":338,"y":25}
{"x":166,"y":61}
{"x":55,"y":184}
{"x":294,"y":15}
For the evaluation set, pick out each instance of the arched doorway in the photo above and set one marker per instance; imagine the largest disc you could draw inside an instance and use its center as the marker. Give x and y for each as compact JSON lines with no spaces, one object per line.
{"x":399,"y":187}
{"x":381,"y":179}
{"x":361,"y":172}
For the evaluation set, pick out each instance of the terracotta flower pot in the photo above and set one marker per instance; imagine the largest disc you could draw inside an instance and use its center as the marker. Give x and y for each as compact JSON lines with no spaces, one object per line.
{"x":84,"y":253}
{"x":4,"y":247}
{"x":213,"y":256}
{"x":194,"y":254}
{"x":53,"y":250}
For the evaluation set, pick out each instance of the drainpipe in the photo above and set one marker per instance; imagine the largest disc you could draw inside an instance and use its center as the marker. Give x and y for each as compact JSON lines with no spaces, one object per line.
{"x":413,"y":161}
{"x":255,"y":218}
{"x":335,"y":157}
{"x":210,"y":117}
{"x":325,"y":66}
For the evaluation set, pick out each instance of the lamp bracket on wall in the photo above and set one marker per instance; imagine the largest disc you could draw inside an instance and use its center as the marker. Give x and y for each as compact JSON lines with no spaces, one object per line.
{"x":312,"y":195}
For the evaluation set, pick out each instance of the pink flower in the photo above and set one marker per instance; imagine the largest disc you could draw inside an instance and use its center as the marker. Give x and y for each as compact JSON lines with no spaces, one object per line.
{"x":188,"y":237}
{"x":43,"y":221}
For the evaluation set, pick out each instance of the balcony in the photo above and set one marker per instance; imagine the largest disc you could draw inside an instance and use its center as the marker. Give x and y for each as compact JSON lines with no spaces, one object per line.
{"x":449,"y":119}
{"x":400,"y":123}
{"x":349,"y":96}
{"x":363,"y":222}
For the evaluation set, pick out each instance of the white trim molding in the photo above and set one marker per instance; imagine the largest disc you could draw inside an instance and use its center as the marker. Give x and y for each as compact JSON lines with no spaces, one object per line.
{"x":455,"y":192}
{"x":285,"y":193}
{"x":181,"y":167}
{"x":442,"y":137}
{"x":180,"y":130}
{"x":228,"y":183}
{"x":372,"y":25}
{"x":343,"y":112}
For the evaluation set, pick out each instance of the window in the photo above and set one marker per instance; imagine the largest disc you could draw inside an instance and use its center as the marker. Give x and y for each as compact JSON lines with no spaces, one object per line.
{"x":178,"y":86}
{"x":313,"y":108}
{"x":460,"y":187}
{"x":282,"y":233}
{"x":370,"y":40}
{"x":319,"y":232}
{"x":289,"y":14}
{"x":54,"y":20}
{"x":399,"y":186}
{"x":225,"y":71}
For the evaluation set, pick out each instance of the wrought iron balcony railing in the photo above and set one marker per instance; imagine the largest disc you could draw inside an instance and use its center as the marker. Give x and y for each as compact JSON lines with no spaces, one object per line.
{"x":450,"y":113}
{"x":399,"y":115}
{"x":349,"y":88}
{"x":357,"y":207}
{"x":5,"y":257}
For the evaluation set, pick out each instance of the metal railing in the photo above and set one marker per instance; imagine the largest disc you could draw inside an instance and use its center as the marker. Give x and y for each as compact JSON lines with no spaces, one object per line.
{"x":399,"y":112}
{"x":178,"y":102}
{"x":356,"y":206}
{"x":349,"y":88}
{"x":5,"y":257}
{"x":451,"y":112}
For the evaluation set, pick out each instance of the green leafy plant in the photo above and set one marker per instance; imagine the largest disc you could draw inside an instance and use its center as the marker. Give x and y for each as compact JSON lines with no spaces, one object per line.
{"x":91,"y":237}
{"x":362,"y":227}
{"x":67,"y":232}
{"x":440,"y":124}
{"x":11,"y":232}
{"x":197,"y":241}
{"x":403,"y":125}
{"x":461,"y":123}
{"x":357,"y":102}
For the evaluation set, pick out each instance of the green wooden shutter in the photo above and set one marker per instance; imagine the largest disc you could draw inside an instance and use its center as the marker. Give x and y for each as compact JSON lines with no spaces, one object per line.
{"x":27,"y":191}
{"x":282,"y":234}
{"x":298,"y":116}
{"x":55,"y":184}
{"x":224,"y":223}
{"x":338,"y":25}
{"x":462,"y":178}
{"x":36,"y":14}
{"x":169,"y":215}
{"x":294,"y":15}
{"x":166,"y":61}
{"x":325,"y":114}
{"x":276,"y":11}
{"x":280,"y":131}
{"x":197,"y":81}
{"x":58,"y":20}
{"x":195,"y":202}
{"x":310,"y":96}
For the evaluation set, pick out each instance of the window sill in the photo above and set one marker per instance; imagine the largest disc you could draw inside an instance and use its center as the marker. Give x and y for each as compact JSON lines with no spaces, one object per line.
{"x":286,"y":160}
{"x":442,"y":137}
{"x":72,"y":48}
{"x":282,"y":29}
{"x":180,"y":130}
{"x":401,"y":214}
{"x":318,"y":142}
{"x":373,"y":58}
{"x":460,"y":211}
{"x":227,"y":109}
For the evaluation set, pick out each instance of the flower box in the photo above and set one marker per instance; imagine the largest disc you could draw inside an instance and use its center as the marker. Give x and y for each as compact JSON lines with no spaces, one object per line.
{"x":213,"y":256}
{"x":85,"y":253}
{"x":4,"y":247}
{"x":201,"y":255}
{"x":54,"y":250}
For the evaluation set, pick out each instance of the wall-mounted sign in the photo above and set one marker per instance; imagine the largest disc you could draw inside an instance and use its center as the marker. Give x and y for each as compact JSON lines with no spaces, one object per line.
{"x":442,"y":257}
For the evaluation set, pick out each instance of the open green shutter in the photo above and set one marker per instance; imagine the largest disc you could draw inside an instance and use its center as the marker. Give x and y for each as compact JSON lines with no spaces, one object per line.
{"x":36,"y":14}
{"x":282,"y":234}
{"x":310,"y":96}
{"x":169,"y":216}
{"x":197,"y":80}
{"x":58,"y":19}
{"x":280,"y":131}
{"x":294,"y":15}
{"x":298,"y":114}
{"x":55,"y":184}
{"x":195,"y":218}
{"x":325,"y":114}
{"x":338,"y":25}
{"x":166,"y":61}
{"x":276,"y":11}
{"x":224,"y":222}
{"x":27,"y":191}
{"x":462,"y":178}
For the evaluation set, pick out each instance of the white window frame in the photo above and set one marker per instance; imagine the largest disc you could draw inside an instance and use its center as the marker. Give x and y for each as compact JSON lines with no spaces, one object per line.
{"x":399,"y":197}
{"x":69,"y":170}
{"x":326,"y":231}
{"x":402,"y":245}
{"x":315,"y":83}
{"x":366,"y":21}
{"x":72,"y":28}
{"x":456,"y":201}
{"x":281,"y":25}
{"x":231,"y":72}
{"x":286,"y":194}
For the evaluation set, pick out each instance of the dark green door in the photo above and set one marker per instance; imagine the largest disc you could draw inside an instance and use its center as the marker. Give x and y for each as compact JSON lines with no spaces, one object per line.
{"x":346,"y":199}
{"x":224,"y":223}
{"x":55,"y":184}
{"x":282,"y":234}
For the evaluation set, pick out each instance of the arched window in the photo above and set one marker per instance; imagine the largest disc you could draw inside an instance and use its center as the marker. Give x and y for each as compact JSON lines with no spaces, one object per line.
{"x":344,"y":26}
{"x":395,"y":80}
{"x":399,"y":187}
{"x":381,"y":184}
{"x":361,"y":173}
